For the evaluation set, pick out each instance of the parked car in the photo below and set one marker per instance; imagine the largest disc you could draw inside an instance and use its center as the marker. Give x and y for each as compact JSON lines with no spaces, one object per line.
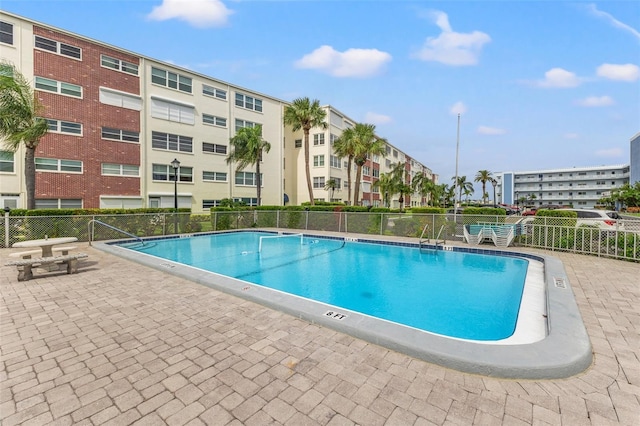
{"x":530,"y":212}
{"x":605,"y":219}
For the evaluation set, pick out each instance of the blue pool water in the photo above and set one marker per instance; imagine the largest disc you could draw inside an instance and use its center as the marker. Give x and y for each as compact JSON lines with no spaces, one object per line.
{"x":463,"y":295}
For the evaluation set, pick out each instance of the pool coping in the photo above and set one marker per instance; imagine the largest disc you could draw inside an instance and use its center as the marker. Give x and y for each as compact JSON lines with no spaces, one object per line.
{"x":564,"y":352}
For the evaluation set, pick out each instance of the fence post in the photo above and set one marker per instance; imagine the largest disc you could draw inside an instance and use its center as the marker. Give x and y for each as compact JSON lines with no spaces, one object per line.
{"x":6,"y":226}
{"x":277,"y":218}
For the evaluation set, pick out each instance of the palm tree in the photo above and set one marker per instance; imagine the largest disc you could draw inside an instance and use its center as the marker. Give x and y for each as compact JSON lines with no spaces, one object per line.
{"x":463,"y":186}
{"x":305,"y":114}
{"x":366,"y":144}
{"x":248,"y":146}
{"x":400,"y":186}
{"x":331,"y":185}
{"x":345,"y":146}
{"x":483,"y":176}
{"x":20,"y":122}
{"x":385,"y":183}
{"x":424,"y":186}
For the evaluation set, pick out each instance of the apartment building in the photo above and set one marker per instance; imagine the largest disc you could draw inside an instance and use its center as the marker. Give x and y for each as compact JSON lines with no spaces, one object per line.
{"x":580,"y":187}
{"x":634,"y":154}
{"x":118,"y":119}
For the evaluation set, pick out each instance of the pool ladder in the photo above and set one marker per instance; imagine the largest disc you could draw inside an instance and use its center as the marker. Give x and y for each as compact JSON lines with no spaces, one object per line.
{"x":438,"y":241}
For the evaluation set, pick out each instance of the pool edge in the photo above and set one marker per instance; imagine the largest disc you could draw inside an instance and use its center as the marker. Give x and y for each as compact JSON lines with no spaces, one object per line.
{"x":565,"y":352}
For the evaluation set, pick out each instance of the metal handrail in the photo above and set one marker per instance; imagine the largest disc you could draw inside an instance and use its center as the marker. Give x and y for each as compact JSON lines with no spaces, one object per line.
{"x":422,"y":236}
{"x":91,"y":228}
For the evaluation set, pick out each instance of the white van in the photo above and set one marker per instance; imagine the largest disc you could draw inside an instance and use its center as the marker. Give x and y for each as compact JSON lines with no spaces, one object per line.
{"x":604,"y":219}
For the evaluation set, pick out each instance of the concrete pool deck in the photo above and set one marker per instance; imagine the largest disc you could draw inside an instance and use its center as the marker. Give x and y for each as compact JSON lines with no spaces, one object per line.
{"x":121,"y":343}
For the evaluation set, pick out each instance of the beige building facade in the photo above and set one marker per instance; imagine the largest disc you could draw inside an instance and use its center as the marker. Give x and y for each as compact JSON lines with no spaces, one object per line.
{"x":135,"y":115}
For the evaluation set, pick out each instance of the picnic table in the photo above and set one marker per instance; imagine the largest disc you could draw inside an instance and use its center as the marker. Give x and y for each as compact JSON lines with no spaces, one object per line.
{"x":46,"y":244}
{"x":47,"y":260}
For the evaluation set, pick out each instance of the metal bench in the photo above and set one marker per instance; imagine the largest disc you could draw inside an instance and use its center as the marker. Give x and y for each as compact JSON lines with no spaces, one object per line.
{"x":25,"y":266}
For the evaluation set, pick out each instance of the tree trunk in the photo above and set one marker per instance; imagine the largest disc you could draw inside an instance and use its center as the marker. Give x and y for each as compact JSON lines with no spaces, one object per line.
{"x":258,"y":182}
{"x":349,"y":180}
{"x":306,"y":165}
{"x":30,"y":176}
{"x":356,"y":189}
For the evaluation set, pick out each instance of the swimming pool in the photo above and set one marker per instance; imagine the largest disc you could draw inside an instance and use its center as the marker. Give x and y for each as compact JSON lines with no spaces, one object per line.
{"x":387,"y":305}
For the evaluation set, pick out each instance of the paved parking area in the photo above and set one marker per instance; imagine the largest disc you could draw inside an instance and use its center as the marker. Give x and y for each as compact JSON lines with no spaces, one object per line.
{"x":119,"y":344}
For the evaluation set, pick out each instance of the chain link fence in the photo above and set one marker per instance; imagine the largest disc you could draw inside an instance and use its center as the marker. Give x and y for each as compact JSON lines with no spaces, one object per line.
{"x":620,"y":241}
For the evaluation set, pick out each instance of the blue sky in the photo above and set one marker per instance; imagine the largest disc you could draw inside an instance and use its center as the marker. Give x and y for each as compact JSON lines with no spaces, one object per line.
{"x":538,"y":84}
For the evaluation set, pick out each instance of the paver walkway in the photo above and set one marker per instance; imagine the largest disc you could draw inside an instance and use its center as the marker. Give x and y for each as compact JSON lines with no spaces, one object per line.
{"x":119,"y":343}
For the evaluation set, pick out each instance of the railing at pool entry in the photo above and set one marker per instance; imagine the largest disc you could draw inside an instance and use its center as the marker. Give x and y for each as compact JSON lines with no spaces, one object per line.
{"x":91,"y":230}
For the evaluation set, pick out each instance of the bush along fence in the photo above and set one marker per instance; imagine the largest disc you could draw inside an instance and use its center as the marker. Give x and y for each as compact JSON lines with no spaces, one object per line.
{"x":551,"y":233}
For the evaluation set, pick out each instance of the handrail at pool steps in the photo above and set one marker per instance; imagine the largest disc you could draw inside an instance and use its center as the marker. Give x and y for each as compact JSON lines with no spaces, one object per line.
{"x":91,"y":228}
{"x":438,"y":242}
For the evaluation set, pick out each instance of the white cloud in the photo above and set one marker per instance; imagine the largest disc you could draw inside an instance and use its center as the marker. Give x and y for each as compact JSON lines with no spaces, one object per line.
{"x":626,"y":72}
{"x":595,"y":101}
{"x":613,"y":21}
{"x":374,"y":118}
{"x":571,"y":136}
{"x":350,"y":63}
{"x":610,"y":153}
{"x":486,"y":130}
{"x":458,"y":108}
{"x":558,"y":77}
{"x":199,"y":13}
{"x":450,"y":47}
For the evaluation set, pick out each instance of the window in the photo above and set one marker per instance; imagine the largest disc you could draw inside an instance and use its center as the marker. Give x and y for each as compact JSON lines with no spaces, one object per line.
{"x":376,"y":173}
{"x":58,"y":87}
{"x":366,"y":170}
{"x":6,"y":33}
{"x":213,"y":120}
{"x":318,"y":160}
{"x":214,"y":148}
{"x":388,"y":150}
{"x":334,"y":161}
{"x":242,"y":123}
{"x":165,"y":172}
{"x":171,"y":111}
{"x":171,"y":142}
{"x":247,"y":201}
{"x":58,"y":126}
{"x":120,"y":169}
{"x":55,"y":165}
{"x":332,"y":138}
{"x":345,"y":164}
{"x":214,"y":91}
{"x":298,"y":143}
{"x":7,"y":162}
{"x":318,"y":139}
{"x":58,"y":47}
{"x":118,"y":65}
{"x":171,"y":80}
{"x":395,"y":153}
{"x":120,"y":99}
{"x":247,"y":178}
{"x":338,"y":182}
{"x":58,"y":203}
{"x":318,"y":182}
{"x":214,"y":176}
{"x":207,"y":204}
{"x":248,"y":102}
{"x":120,"y":135}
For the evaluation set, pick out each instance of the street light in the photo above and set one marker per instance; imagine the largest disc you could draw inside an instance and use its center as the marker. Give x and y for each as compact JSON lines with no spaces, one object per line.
{"x":494,"y":183}
{"x":176,"y":165}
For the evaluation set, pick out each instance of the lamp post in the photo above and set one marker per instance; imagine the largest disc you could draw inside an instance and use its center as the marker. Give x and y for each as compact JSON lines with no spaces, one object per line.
{"x":176,"y":165}
{"x":494,"y":183}
{"x":517,"y":202}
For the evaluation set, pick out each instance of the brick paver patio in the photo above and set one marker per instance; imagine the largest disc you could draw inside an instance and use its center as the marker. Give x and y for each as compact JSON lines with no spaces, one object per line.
{"x":120,"y":344}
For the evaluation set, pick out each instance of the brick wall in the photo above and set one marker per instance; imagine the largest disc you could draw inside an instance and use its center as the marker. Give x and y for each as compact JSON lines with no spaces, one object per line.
{"x":88,"y":148}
